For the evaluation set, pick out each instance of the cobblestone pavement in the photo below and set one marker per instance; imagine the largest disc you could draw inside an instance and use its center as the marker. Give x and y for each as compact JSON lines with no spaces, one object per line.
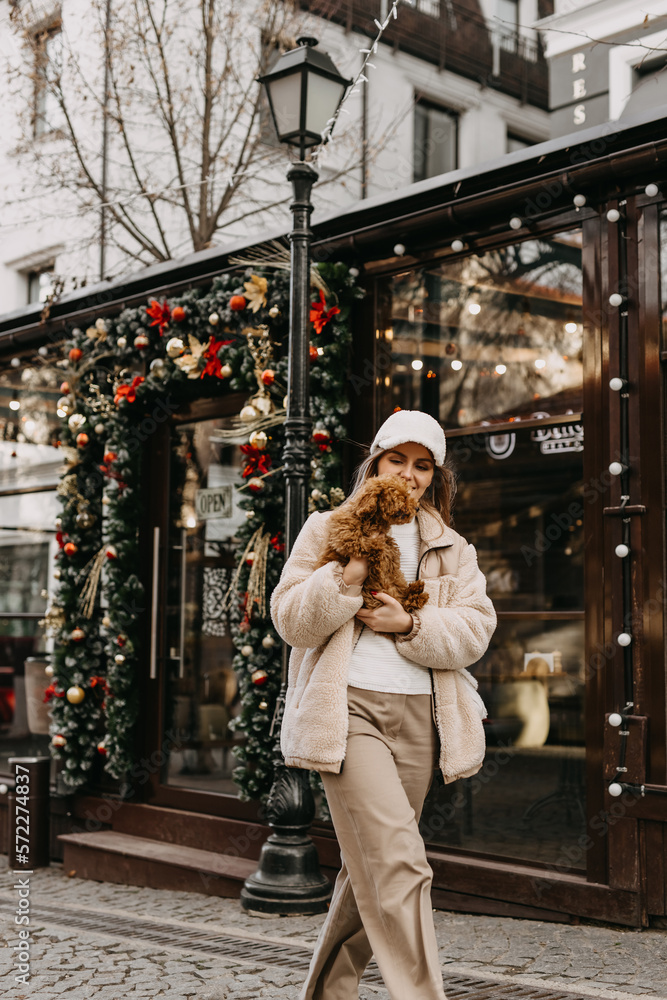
{"x":589,"y":959}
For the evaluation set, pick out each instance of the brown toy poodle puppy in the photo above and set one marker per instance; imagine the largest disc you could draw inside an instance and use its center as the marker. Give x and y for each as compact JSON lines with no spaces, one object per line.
{"x":360,"y":527}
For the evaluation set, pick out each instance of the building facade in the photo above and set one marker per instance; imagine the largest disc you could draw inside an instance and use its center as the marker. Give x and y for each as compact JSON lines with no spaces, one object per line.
{"x":522,"y":304}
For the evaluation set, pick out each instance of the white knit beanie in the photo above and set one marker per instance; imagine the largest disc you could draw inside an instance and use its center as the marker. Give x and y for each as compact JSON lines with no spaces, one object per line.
{"x":411,"y":425}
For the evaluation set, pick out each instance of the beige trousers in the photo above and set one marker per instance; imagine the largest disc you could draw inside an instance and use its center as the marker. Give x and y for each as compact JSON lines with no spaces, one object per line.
{"x":381,"y":903}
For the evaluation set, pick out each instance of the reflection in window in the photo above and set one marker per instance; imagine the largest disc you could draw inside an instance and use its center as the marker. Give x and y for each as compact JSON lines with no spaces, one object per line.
{"x":201,"y":687}
{"x":48,"y":48}
{"x":496,"y":337}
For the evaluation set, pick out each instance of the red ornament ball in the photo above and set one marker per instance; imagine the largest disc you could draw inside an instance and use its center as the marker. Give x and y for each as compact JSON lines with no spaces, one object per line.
{"x":109,"y":457}
{"x":321,"y":436}
{"x":255,"y":484}
{"x":178,"y":314}
{"x":237,"y":303}
{"x":312,"y":351}
{"x":64,"y":388}
{"x":70,"y":548}
{"x":82,"y":440}
{"x":58,"y":740}
{"x":244,"y":626}
{"x":77,"y":634}
{"x":102,"y":749}
{"x":259,"y":677}
{"x":75,"y":354}
{"x":112,"y":552}
{"x":268,"y":376}
{"x":121,"y":639}
{"x":141,"y":341}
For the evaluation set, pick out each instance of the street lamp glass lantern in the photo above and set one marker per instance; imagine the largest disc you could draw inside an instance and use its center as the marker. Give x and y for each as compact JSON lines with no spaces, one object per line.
{"x":304,"y":90}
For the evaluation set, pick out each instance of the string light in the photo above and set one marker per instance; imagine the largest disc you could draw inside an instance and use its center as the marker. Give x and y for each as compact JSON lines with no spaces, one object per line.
{"x":540,"y":363}
{"x":613,"y":215}
{"x":399,"y":249}
{"x":474,"y":308}
{"x":457,"y":365}
{"x":651,"y":190}
{"x":616,"y":384}
{"x":501,"y":369}
{"x":616,"y":299}
{"x":570,"y":327}
{"x":417,"y":364}
{"x":579,"y":200}
{"x":616,"y":468}
{"x":457,"y":246}
{"x":516,"y":222}
{"x":622,"y":550}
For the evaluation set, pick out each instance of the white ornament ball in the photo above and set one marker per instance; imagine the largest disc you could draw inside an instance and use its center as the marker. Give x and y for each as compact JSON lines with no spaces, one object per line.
{"x":615,"y":789}
{"x":616,"y":299}
{"x":622,"y":551}
{"x":613,"y":215}
{"x":56,"y":574}
{"x":258,"y":439}
{"x":624,"y":639}
{"x":268,"y":642}
{"x":615,"y":719}
{"x":274,"y":311}
{"x":175,"y":346}
{"x":226,"y":371}
{"x":214,"y":319}
{"x":48,"y":670}
{"x":99,"y":428}
{"x":141,"y":341}
{"x":263,"y":404}
{"x":248,"y":414}
{"x":315,"y":494}
{"x":250,"y":514}
{"x":76,"y":421}
{"x":247,"y":650}
{"x":119,"y":658}
{"x":106,"y":621}
{"x":121,"y":343}
{"x":106,"y":501}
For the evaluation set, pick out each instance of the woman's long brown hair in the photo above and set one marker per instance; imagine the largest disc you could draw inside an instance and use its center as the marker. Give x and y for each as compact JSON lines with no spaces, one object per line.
{"x":438,"y":497}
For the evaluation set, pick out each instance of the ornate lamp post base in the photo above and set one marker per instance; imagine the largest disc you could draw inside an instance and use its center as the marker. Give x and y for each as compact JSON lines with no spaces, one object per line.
{"x":288,"y":879}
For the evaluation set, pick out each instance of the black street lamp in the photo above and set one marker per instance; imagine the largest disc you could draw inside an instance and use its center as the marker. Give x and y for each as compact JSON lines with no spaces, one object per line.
{"x":304,"y":90}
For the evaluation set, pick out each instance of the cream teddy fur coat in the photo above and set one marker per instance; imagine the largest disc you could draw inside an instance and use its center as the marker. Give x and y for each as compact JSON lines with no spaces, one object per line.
{"x":313,"y":611}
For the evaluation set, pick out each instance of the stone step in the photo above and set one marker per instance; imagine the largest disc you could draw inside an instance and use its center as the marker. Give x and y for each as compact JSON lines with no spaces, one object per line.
{"x":108,"y":856}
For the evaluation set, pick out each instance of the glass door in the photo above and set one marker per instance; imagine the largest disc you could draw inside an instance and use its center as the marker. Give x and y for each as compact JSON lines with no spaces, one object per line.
{"x":492,"y":346}
{"x":200,"y":695}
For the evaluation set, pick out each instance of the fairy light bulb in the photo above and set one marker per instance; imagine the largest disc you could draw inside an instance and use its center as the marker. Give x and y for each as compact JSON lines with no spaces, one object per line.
{"x":616,"y":299}
{"x":615,"y":789}
{"x":613,"y":215}
{"x":616,"y":383}
{"x":622,"y":550}
{"x":624,"y":639}
{"x":615,"y":719}
{"x":616,"y":469}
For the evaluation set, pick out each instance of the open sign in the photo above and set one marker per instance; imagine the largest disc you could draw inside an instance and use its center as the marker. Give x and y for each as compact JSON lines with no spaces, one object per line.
{"x":213,"y":502}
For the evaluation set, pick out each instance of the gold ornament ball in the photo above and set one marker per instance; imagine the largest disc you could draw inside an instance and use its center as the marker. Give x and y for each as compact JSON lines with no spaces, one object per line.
{"x":246,"y":650}
{"x":58,"y":740}
{"x":214,"y":319}
{"x":99,"y":428}
{"x":175,"y":346}
{"x":77,"y":634}
{"x":226,"y":371}
{"x":141,"y":341}
{"x":64,"y":404}
{"x":256,"y":484}
{"x":315,"y":494}
{"x":106,"y":501}
{"x":263,"y":704}
{"x":250,"y":514}
{"x":56,"y":574}
{"x":59,"y":522}
{"x":259,"y":677}
{"x":75,"y":695}
{"x":85,"y":519}
{"x":258,"y":439}
{"x":263,"y":404}
{"x":274,"y":311}
{"x":76,"y":421}
{"x":122,"y":343}
{"x":119,"y":658}
{"x":48,"y":670}
{"x":92,"y":333}
{"x":268,"y":642}
{"x":284,"y":402}
{"x":106,"y":621}
{"x":248,"y":414}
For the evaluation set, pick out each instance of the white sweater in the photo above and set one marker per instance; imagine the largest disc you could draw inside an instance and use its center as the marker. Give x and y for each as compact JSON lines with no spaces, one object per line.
{"x":377,"y":664}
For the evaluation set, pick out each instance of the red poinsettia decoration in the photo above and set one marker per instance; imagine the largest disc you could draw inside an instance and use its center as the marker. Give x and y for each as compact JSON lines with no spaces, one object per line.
{"x":105,"y":468}
{"x":128,"y":392}
{"x":99,"y":682}
{"x":213,"y":362}
{"x":319,"y":315}
{"x":50,"y":692}
{"x":259,"y":462}
{"x":160,"y":314}
{"x":276,"y":543}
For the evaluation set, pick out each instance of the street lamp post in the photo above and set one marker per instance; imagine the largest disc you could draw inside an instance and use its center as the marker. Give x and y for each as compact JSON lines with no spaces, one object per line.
{"x":304,"y":90}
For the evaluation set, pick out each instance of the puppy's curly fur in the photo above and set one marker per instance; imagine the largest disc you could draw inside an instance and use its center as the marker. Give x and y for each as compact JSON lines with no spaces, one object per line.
{"x":360,"y":528}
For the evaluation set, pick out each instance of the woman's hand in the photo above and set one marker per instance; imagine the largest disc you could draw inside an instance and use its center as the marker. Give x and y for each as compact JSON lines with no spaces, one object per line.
{"x":389,"y":618}
{"x":356,"y":571}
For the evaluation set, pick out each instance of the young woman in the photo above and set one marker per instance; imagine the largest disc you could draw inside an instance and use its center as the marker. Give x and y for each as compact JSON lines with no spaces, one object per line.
{"x":375,"y":714}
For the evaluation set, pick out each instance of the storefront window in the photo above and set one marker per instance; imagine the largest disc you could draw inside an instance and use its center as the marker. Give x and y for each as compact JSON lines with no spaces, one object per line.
{"x":496,"y":337}
{"x":492,"y":346}
{"x":29,"y":473}
{"x":201,"y":688}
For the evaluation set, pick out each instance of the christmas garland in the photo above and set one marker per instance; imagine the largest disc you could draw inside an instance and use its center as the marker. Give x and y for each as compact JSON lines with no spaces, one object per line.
{"x":230,"y":338}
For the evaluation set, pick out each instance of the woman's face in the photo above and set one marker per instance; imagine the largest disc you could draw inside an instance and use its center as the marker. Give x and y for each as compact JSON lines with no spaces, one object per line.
{"x":413,"y":462}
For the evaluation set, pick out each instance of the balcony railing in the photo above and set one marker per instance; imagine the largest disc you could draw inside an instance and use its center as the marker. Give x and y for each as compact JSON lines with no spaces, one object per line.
{"x":458,"y":39}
